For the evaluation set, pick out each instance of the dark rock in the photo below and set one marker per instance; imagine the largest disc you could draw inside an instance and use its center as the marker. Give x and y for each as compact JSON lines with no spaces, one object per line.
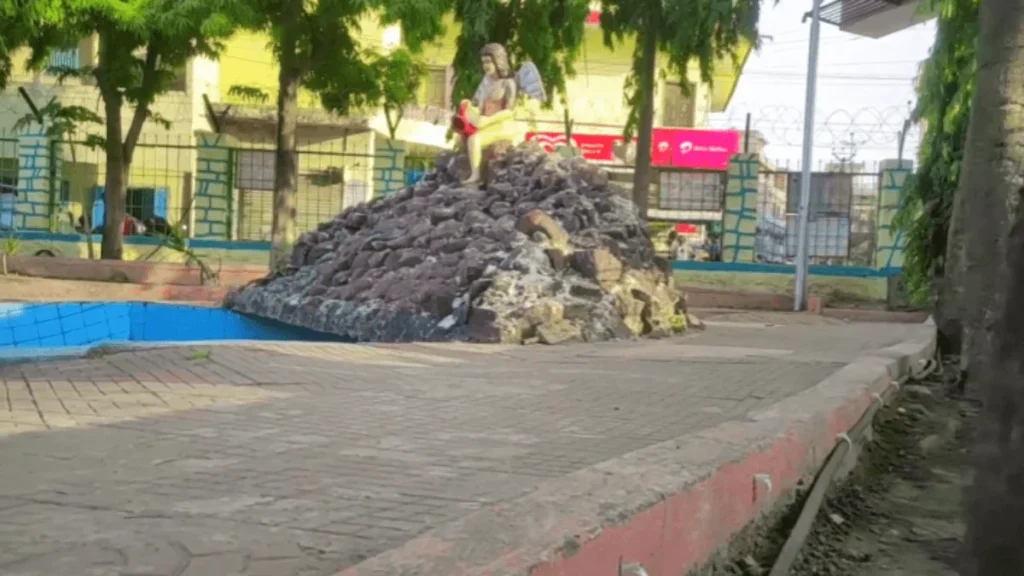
{"x":482,"y":326}
{"x":547,"y":251}
{"x":598,"y":265}
{"x":537,"y":221}
{"x":586,"y":291}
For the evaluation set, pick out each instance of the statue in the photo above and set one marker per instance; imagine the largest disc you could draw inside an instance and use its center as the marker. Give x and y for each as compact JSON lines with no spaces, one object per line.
{"x":489,"y":118}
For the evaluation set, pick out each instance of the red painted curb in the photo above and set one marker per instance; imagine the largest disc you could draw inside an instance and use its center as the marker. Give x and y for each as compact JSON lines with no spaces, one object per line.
{"x":670,"y":507}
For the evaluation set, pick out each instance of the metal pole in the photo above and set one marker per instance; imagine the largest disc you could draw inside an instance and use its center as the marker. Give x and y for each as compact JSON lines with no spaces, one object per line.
{"x":800,"y":286}
{"x":746,"y":136}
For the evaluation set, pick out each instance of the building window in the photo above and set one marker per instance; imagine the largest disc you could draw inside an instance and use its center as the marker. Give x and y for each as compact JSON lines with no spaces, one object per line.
{"x":178,"y":84}
{"x":677,"y":109}
{"x":255,"y":169}
{"x":435,"y":87}
{"x":61,"y":60}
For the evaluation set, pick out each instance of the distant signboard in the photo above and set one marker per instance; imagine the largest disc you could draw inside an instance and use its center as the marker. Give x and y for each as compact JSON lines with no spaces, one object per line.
{"x":670,"y":147}
{"x":831,"y":193}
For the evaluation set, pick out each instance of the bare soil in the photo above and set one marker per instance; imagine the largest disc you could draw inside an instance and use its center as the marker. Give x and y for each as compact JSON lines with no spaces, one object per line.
{"x":900,"y":512}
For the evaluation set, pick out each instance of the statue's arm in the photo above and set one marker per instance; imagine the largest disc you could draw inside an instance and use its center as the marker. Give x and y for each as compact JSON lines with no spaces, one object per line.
{"x":511,"y":92}
{"x":478,"y":96}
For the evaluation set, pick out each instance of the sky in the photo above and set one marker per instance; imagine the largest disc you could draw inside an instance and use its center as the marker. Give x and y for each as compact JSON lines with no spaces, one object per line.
{"x":865,"y":89}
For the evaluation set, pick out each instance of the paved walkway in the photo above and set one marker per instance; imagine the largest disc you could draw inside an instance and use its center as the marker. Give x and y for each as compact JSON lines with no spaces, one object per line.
{"x":303,"y":459}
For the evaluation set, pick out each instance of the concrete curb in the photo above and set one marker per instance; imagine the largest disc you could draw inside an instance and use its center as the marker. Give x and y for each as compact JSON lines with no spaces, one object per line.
{"x":670,"y":507}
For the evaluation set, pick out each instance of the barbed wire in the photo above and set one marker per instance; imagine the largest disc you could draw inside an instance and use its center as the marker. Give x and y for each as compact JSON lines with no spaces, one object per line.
{"x":865,"y":128}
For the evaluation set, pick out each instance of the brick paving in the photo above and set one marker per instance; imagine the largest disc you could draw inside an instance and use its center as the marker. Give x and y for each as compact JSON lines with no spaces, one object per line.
{"x":300,"y":459}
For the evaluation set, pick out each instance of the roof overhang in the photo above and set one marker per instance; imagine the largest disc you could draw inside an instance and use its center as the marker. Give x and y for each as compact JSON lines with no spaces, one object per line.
{"x":876,"y":18}
{"x":259,"y":122}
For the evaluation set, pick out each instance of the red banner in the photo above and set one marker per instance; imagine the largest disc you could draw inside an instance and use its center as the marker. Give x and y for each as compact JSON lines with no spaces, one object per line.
{"x":596,"y":147}
{"x":671,"y":147}
{"x":703,"y":149}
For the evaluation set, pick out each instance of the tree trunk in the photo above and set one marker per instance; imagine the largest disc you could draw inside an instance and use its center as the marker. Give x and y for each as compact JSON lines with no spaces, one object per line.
{"x":990,"y":178}
{"x":642,"y":172}
{"x":112,"y":247}
{"x":993,"y":162}
{"x":285,"y":159}
{"x":995,"y":544}
{"x":949,"y":311}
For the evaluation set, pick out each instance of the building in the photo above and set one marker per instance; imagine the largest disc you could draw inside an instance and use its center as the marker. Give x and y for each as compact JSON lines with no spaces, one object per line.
{"x":213,"y":167}
{"x":76,"y":170}
{"x":876,"y":18}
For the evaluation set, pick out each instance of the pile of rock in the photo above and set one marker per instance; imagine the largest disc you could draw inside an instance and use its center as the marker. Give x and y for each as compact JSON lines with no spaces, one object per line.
{"x":547,"y":251}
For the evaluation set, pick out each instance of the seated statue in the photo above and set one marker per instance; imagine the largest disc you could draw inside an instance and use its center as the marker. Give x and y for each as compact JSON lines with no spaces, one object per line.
{"x":489,"y":118}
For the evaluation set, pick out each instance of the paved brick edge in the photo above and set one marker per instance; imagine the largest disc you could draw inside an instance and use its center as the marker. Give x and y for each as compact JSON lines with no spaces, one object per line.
{"x":151,"y":273}
{"x":699,"y":297}
{"x":672,"y":506}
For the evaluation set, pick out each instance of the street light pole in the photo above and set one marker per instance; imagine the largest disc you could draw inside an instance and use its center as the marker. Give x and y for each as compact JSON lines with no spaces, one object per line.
{"x":800,"y":286}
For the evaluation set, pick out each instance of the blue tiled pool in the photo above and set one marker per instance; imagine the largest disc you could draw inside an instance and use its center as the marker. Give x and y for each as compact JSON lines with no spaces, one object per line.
{"x":42,"y":327}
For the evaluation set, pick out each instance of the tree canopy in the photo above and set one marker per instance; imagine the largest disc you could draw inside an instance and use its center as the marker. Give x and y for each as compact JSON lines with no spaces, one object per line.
{"x":548,"y":33}
{"x":318,"y":46}
{"x":684,"y":31}
{"x":944,"y":94}
{"x":143,"y":45}
{"x":322,"y":40}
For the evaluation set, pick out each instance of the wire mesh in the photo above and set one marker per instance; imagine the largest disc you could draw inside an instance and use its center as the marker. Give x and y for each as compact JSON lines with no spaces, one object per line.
{"x":331,"y":176}
{"x":416,"y":167}
{"x":8,"y":180}
{"x":841,"y":219}
{"x":158,"y":186}
{"x":691,"y":190}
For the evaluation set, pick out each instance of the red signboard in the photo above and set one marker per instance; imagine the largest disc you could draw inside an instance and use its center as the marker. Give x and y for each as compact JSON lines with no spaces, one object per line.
{"x":703,"y":149}
{"x":672,"y":147}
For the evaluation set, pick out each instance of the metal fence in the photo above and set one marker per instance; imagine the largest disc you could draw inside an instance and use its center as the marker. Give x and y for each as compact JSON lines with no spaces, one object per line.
{"x":841,"y":222}
{"x":334,"y":174}
{"x":698,"y":191}
{"x":160,"y":185}
{"x":416,"y":167}
{"x":329,"y":179}
{"x":8,"y":180}
{"x":157,"y":191}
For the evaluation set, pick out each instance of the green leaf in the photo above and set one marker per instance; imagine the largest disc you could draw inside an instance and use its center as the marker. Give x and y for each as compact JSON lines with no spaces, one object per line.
{"x":249,"y":94}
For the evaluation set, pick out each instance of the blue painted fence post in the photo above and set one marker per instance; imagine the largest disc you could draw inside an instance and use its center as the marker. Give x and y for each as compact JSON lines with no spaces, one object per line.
{"x":213,"y":208}
{"x":388,"y":166}
{"x":38,"y":164}
{"x":889,"y":242}
{"x":739,"y":222}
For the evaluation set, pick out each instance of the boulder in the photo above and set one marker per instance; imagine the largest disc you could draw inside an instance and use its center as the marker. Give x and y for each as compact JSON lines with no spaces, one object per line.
{"x":548,"y":251}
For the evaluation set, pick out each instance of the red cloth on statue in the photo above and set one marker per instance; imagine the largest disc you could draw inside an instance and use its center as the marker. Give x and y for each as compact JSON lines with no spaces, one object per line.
{"x":461,"y":121}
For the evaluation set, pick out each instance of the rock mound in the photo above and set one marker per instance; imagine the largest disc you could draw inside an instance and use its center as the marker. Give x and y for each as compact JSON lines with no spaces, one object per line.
{"x":548,"y":251}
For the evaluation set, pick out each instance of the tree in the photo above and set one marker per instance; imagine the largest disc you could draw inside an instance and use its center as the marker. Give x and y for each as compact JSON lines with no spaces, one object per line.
{"x":548,"y":33}
{"x":684,"y":31}
{"x":142,"y":45}
{"x":988,"y":192}
{"x":991,"y":183}
{"x":317,"y":47}
{"x":944,"y":104}
{"x":20,"y":22}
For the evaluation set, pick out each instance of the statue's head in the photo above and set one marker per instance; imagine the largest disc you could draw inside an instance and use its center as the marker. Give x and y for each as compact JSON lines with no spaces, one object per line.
{"x":494,"y":60}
